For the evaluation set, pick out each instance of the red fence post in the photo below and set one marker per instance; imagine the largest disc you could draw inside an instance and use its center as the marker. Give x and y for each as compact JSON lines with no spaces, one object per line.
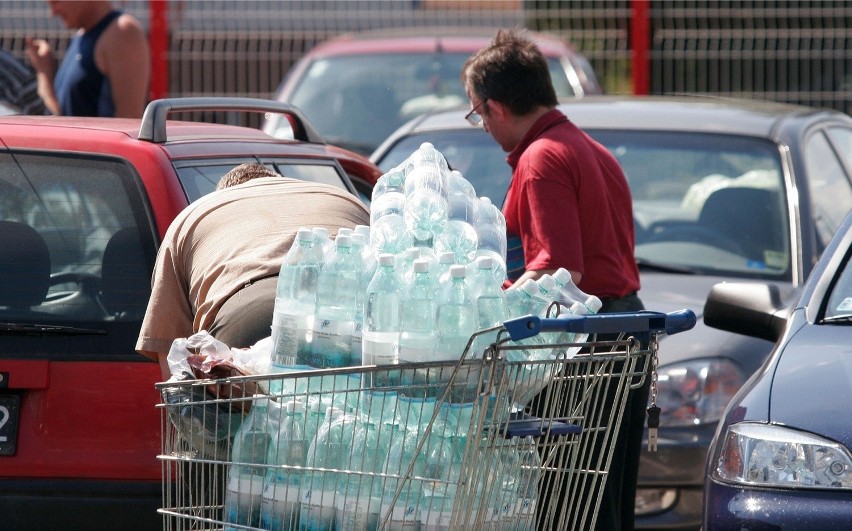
{"x":158,"y":36}
{"x":640,"y":41}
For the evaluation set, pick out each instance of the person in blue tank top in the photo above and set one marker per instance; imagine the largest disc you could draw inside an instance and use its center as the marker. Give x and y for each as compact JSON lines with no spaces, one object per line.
{"x":106,"y":69}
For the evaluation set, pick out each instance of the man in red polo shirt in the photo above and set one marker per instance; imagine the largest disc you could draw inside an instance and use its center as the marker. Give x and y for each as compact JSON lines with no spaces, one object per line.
{"x":568,"y":205}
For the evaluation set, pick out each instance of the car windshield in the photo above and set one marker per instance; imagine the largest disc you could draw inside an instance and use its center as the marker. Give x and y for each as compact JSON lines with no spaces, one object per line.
{"x":357,"y":101}
{"x":709,"y":204}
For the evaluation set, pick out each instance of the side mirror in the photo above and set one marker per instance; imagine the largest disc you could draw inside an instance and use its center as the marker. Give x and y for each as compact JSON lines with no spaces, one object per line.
{"x":751,"y":309}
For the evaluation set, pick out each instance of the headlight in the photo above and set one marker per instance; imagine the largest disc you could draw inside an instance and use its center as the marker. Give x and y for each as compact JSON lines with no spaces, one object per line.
{"x":696,"y":392}
{"x":775,"y":456}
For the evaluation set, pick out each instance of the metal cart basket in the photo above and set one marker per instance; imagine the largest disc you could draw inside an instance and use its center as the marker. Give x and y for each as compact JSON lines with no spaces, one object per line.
{"x":519,"y":434}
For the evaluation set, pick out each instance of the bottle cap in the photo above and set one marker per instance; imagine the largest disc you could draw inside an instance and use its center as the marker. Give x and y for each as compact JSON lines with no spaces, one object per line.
{"x":562,"y":275}
{"x":594,"y":304}
{"x":458,"y":271}
{"x":386,"y":259}
{"x":363,"y":229}
{"x":530,"y":287}
{"x":447,"y":257}
{"x":421,"y":265}
{"x":305,"y":234}
{"x":547,"y":282}
{"x":343,"y":240}
{"x":484,"y":262}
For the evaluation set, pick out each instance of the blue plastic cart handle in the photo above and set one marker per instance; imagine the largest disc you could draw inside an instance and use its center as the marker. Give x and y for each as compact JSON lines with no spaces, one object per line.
{"x":606,"y":323}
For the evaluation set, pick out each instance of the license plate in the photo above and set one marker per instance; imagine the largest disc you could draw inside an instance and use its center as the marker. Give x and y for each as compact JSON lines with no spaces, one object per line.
{"x":9,"y":406}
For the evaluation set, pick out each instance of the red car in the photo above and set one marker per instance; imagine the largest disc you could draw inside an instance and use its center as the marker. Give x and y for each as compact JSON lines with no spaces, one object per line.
{"x":84,"y":203}
{"x":358,"y":88}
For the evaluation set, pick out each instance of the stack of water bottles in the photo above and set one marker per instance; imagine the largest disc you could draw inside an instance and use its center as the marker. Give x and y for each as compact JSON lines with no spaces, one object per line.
{"x":339,"y":451}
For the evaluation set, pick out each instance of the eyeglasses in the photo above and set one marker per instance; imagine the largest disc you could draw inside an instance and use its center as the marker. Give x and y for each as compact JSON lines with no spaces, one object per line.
{"x":473,"y":117}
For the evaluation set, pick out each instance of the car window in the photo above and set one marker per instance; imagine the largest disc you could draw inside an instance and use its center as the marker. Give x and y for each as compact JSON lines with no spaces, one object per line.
{"x":75,"y":240}
{"x":358,"y":101}
{"x":709,"y":203}
{"x":831,"y":194}
{"x":842,"y":138}
{"x":471,"y":151}
{"x":200,"y":178}
{"x":840,"y":297}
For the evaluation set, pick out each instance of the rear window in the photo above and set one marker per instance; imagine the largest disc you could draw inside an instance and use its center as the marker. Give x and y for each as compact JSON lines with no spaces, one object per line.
{"x":200,"y":178}
{"x":76,"y":246}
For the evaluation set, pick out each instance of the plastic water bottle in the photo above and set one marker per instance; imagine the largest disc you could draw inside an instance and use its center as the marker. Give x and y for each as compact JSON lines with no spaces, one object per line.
{"x":328,"y":451}
{"x":361,"y":493}
{"x":455,"y":323}
{"x":446,"y":259}
{"x":417,"y":334}
{"x":389,"y":234}
{"x":490,"y":228}
{"x":402,"y":485}
{"x":426,"y":204}
{"x":334,"y":318}
{"x":527,"y":299}
{"x":491,"y":306}
{"x":282,"y":487}
{"x":244,"y":492}
{"x":529,"y":462}
{"x":381,"y":321}
{"x":359,"y":243}
{"x":388,"y":197}
{"x":460,"y":238}
{"x":570,"y":291}
{"x":323,"y":243}
{"x":295,"y":301}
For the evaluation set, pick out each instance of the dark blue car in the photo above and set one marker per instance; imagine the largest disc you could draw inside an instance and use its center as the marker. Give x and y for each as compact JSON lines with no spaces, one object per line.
{"x":781,"y":455}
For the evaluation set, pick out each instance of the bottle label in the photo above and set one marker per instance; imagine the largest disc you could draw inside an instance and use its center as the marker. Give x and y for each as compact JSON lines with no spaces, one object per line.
{"x":332,"y":343}
{"x":403,"y":517}
{"x":437,"y":520}
{"x":379,"y":350}
{"x":291,"y":338}
{"x":354,"y":513}
{"x":318,"y":510}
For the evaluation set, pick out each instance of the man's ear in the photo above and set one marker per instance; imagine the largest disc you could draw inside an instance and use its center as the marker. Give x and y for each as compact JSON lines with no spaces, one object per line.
{"x":498,"y":110}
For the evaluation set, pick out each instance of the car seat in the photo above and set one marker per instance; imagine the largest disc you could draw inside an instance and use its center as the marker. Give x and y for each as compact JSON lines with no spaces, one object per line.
{"x":748,"y":216}
{"x":125,"y":277}
{"x":24,"y":267}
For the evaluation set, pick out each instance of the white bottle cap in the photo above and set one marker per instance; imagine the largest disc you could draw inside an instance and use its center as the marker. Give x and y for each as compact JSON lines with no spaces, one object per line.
{"x":484,"y":262}
{"x":421,"y":265}
{"x":305,"y":234}
{"x":562,"y":275}
{"x":386,"y":259}
{"x":362,"y":229}
{"x":530,"y":287}
{"x":594,"y":304}
{"x":547,"y":282}
{"x":343,"y":240}
{"x":458,"y":271}
{"x":447,"y":257}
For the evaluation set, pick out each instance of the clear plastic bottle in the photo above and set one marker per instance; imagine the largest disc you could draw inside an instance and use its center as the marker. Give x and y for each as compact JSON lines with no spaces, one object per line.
{"x":328,"y":451}
{"x":282,"y":486}
{"x":295,"y":302}
{"x":404,"y":507}
{"x":334,"y":318}
{"x":323,"y":243}
{"x":359,"y":243}
{"x":446,"y":259}
{"x":491,"y":306}
{"x":417,"y":329}
{"x":426,"y":204}
{"x":455,"y":323}
{"x":490,"y":228}
{"x":389,"y":234}
{"x":361,"y":493}
{"x":570,"y":290}
{"x":527,"y":299}
{"x":382,"y":322}
{"x":252,"y":442}
{"x":388,"y":197}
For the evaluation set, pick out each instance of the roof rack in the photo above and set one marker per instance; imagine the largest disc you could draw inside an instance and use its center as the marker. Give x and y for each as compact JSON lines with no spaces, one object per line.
{"x":153,"y":128}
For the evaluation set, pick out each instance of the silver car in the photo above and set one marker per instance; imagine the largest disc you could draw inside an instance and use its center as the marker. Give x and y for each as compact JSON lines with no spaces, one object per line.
{"x":722,"y":189}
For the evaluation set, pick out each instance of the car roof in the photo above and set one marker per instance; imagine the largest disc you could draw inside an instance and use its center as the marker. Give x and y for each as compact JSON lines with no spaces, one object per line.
{"x":414,"y":40}
{"x":657,"y":113}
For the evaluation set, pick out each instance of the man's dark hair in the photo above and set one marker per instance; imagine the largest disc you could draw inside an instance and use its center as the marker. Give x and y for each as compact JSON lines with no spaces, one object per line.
{"x":243,"y":173}
{"x":511,"y":70}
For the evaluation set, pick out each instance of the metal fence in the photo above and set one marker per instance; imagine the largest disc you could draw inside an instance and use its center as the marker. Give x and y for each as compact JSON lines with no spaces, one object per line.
{"x":787,"y":50}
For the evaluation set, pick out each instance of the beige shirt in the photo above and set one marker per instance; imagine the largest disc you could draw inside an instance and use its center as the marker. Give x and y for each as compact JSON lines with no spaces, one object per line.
{"x":230,"y":238}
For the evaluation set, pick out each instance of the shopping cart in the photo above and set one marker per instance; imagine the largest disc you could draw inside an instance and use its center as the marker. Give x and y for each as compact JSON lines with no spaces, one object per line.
{"x":519,"y":434}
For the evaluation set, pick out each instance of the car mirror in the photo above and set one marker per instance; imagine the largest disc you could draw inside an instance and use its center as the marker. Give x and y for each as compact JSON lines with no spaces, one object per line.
{"x":751,"y":309}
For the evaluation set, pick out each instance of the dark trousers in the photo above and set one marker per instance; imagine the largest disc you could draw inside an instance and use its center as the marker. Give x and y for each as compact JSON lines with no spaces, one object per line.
{"x":617,"y":507}
{"x":246,"y":317}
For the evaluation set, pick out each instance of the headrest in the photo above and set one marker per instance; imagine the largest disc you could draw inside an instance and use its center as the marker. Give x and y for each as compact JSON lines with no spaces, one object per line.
{"x":24,"y":266}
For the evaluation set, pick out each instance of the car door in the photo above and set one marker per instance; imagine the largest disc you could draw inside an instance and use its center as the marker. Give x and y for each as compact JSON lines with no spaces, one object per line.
{"x":79,"y":430}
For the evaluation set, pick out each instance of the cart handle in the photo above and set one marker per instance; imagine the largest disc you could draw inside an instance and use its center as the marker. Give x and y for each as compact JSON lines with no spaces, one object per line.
{"x":606,"y":323}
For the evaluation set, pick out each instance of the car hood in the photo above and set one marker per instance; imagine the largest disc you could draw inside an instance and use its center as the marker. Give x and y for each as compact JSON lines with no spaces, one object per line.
{"x":666,"y":292}
{"x":816,"y":363}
